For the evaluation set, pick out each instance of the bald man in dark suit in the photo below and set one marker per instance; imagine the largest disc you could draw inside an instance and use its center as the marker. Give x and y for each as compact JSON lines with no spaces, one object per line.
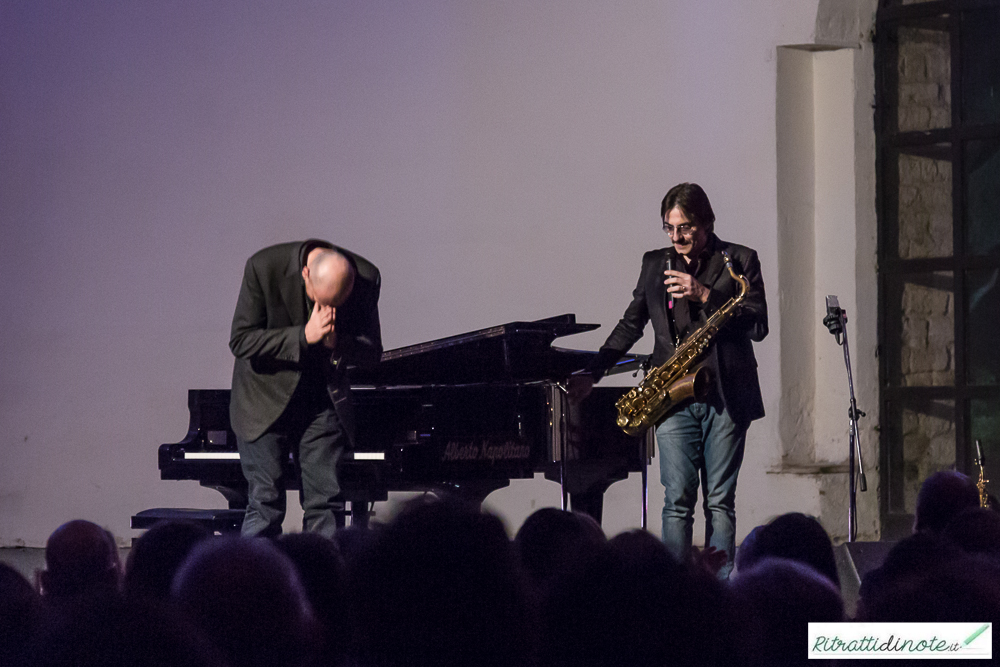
{"x":306,"y":312}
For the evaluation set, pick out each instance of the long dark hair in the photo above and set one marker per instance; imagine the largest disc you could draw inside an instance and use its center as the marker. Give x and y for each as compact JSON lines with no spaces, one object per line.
{"x":692,"y":200}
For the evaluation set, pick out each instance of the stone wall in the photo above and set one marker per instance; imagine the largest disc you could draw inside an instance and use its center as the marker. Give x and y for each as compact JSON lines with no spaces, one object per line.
{"x":924,"y":68}
{"x":928,"y":340}
{"x":928,"y":446}
{"x":927,"y":354}
{"x":925,"y":216}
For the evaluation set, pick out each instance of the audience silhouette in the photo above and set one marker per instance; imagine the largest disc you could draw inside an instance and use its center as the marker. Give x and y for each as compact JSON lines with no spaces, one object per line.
{"x":246,"y":597}
{"x":775,"y":600}
{"x":794,"y":536}
{"x":81,"y":559}
{"x":942,"y":497}
{"x":323,"y":574}
{"x":157,"y":555}
{"x":20,"y":613}
{"x":442,"y":584}
{"x":439,"y":586}
{"x":554,"y":543}
{"x":975,"y":531}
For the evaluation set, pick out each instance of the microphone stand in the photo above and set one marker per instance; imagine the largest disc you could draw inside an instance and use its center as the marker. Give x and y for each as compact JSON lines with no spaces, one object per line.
{"x":836,"y":322}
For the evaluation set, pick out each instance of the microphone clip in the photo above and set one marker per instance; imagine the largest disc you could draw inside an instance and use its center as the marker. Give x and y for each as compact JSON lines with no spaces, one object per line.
{"x":835,"y":318}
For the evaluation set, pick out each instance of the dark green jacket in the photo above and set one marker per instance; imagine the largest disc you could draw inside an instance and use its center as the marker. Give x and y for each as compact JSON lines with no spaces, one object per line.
{"x":269,"y":342}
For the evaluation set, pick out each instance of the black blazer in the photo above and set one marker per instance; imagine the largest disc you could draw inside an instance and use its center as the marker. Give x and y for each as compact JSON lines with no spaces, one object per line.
{"x":269,"y":341}
{"x":731,"y":351}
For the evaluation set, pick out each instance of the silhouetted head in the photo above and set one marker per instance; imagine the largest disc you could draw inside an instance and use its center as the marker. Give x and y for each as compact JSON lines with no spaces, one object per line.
{"x":553,"y":542}
{"x":775,"y":601}
{"x":440,"y":586}
{"x":322,"y":573}
{"x":245,"y":595}
{"x":354,"y":540}
{"x":639,"y":551}
{"x":634,"y":604}
{"x":942,"y":497}
{"x":964,"y":589}
{"x":976,"y":530}
{"x":795,"y":536}
{"x":81,"y":558}
{"x":20,"y":609}
{"x":907,"y":562}
{"x":121,"y":633}
{"x":157,"y":555}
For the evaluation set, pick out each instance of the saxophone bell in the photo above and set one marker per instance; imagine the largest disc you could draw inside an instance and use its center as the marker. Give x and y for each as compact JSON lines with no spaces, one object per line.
{"x":695,"y":385}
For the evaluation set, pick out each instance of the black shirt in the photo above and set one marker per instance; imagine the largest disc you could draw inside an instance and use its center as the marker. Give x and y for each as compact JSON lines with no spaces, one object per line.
{"x":686,"y":315}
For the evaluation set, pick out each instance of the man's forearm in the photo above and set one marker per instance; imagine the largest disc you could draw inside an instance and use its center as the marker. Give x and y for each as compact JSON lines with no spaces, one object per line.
{"x":284,"y":344}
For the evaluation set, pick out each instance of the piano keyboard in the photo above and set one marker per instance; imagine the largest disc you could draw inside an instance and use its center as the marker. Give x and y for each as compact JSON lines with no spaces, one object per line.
{"x":235,"y":456}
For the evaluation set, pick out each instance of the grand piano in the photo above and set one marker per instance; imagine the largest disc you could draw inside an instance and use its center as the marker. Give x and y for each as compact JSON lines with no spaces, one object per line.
{"x":461,"y":415}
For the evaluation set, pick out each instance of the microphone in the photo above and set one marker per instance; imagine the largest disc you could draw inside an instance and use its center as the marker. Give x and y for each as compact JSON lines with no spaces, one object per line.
{"x":670,"y":296}
{"x":835,"y":317}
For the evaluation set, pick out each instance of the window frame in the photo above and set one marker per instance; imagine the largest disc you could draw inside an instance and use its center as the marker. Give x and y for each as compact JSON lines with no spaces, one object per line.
{"x":893,"y":271}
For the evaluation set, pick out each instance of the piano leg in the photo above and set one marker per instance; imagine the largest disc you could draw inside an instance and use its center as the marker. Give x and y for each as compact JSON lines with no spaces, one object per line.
{"x":584,"y":483}
{"x":645,"y":494}
{"x":359,"y":514}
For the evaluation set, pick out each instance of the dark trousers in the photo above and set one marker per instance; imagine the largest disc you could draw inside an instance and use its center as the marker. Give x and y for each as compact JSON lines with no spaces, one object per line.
{"x":311,"y":432}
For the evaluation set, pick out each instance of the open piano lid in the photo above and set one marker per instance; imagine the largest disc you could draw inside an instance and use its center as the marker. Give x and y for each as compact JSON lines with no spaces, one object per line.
{"x":512,"y":352}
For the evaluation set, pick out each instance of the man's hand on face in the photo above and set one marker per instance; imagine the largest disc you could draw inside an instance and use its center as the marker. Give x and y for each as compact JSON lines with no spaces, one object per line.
{"x":320,"y":324}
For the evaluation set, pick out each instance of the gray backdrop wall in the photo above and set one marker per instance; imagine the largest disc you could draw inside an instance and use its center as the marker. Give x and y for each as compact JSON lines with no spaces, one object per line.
{"x":498,"y":160}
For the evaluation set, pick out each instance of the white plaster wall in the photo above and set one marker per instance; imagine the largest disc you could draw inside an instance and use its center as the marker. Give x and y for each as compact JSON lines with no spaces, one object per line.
{"x":818,"y":237}
{"x":826,"y":239}
{"x":851,"y":24}
{"x":796,"y":188}
{"x":835,"y":243}
{"x":498,"y":161}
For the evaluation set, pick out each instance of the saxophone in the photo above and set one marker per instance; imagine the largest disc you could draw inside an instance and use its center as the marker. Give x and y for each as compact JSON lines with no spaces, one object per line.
{"x":984,"y":498}
{"x":679,"y":378}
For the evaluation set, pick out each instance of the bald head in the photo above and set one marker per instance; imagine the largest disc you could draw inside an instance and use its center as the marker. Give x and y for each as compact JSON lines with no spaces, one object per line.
{"x":80,"y":556}
{"x":329,"y":277}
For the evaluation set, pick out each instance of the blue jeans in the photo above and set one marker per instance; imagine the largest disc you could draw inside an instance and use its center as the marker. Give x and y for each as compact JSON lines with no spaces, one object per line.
{"x":700,"y":443}
{"x":311,"y":431}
